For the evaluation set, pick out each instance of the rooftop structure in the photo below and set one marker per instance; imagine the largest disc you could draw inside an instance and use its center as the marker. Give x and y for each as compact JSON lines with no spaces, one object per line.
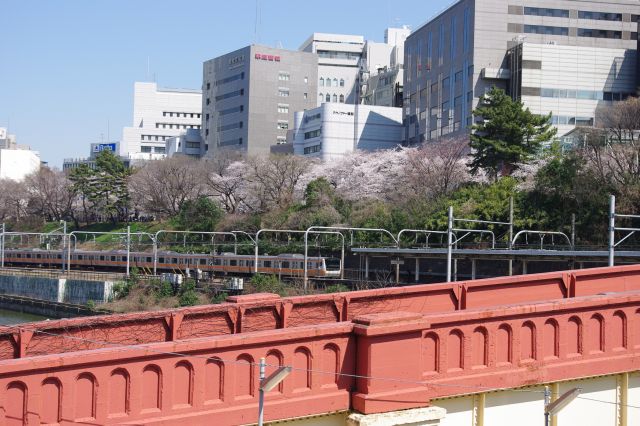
{"x":159,"y":114}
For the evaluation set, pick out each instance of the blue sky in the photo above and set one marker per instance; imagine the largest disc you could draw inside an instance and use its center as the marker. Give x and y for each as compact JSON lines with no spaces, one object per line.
{"x":67,"y":67}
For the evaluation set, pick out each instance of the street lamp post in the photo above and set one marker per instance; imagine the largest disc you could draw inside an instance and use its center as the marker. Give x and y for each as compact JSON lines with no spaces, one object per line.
{"x":268,"y":383}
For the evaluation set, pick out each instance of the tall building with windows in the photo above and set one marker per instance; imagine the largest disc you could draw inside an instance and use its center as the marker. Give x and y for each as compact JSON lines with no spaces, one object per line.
{"x":339,"y":62}
{"x":346,"y":62}
{"x":565,"y":57}
{"x":250,"y":95}
{"x":159,"y":114}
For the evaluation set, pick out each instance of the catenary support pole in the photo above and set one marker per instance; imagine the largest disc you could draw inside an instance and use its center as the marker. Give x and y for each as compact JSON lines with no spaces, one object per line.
{"x":449,"y":243}
{"x":128,"y":249}
{"x":2,"y":245}
{"x":612,"y":229}
{"x":510,"y":233}
{"x":261,"y":393}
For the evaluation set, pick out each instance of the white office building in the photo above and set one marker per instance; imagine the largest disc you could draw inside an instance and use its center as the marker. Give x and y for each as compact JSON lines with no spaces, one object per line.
{"x":348,"y":61}
{"x":332,"y":130}
{"x":16,"y":161}
{"x":188,"y":143}
{"x":572,"y":82}
{"x":159,"y":114}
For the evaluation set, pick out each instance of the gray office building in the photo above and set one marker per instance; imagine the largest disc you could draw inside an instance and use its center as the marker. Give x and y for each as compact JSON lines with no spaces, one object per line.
{"x":567,"y":57}
{"x":249,"y":97}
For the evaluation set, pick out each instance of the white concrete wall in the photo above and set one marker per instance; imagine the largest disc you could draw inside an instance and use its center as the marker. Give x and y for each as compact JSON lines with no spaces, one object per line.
{"x":576,"y":68}
{"x":16,"y":164}
{"x":596,"y":405}
{"x":152,"y":124}
{"x":377,"y":128}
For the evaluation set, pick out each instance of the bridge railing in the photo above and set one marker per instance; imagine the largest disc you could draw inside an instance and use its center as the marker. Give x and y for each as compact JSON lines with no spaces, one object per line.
{"x":269,"y":311}
{"x":203,"y":380}
{"x":375,"y":363}
{"x":480,"y":350}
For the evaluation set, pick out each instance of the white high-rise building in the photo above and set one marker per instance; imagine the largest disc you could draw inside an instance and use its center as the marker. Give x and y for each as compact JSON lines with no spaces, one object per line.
{"x":159,"y":114}
{"x":339,"y":60}
{"x":16,"y":161}
{"x":346,"y":61}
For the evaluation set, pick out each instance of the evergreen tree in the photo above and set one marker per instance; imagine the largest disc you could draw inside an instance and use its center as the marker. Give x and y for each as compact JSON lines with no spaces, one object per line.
{"x":105,"y":187}
{"x":508,"y":136}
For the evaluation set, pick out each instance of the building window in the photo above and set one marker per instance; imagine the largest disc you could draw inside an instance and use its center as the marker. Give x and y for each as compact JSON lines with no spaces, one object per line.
{"x":306,"y":80}
{"x":542,"y":11}
{"x":228,"y":95}
{"x":283,"y":125}
{"x":328,"y":81}
{"x":281,"y":140}
{"x":589,"y":32}
{"x":207,"y":117}
{"x":335,"y":98}
{"x":546,"y":29}
{"x":321,"y":96}
{"x":600,"y":16}
{"x":321,"y":81}
{"x":305,"y":95}
{"x":231,"y":110}
{"x":341,"y":99}
{"x":208,"y":102}
{"x":208,"y":85}
{"x":145,"y":149}
{"x":445,"y":84}
{"x":283,"y":93}
{"x":335,"y":82}
{"x":458,"y":76}
{"x":312,"y":134}
{"x":342,"y":82}
{"x":283,"y":109}
{"x":312,"y":149}
{"x":284,"y":76}
{"x":231,"y":126}
{"x":193,"y":145}
{"x":328,"y":98}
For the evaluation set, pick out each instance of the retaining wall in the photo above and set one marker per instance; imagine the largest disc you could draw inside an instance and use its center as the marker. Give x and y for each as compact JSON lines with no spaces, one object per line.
{"x":60,"y":290}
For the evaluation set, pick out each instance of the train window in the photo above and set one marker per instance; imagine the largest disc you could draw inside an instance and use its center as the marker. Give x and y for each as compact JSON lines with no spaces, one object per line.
{"x":80,"y":257}
{"x":113,"y":258}
{"x":38,"y":256}
{"x":59,"y":256}
{"x":202,"y":261}
{"x":149,"y":260}
{"x":267,"y":263}
{"x":241,"y":263}
{"x":174,"y":260}
{"x":28,"y":255}
{"x":285,"y":265}
{"x":217,"y":262}
{"x":19,"y":256}
{"x":233,"y":262}
{"x":123,"y":258}
{"x":161,"y":260}
{"x":101,"y":257}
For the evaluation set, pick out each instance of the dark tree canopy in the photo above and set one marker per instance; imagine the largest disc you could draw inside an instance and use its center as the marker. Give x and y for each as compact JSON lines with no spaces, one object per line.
{"x":508,"y":136}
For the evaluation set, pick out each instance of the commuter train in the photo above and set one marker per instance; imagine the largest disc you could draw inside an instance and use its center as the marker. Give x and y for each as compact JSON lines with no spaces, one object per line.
{"x":218,"y":264}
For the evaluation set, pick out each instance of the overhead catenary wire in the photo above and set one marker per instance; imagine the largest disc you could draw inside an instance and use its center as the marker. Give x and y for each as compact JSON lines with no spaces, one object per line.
{"x":309,"y":370}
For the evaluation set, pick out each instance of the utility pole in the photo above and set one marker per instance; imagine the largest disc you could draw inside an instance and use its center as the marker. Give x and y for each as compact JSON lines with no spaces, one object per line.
{"x":449,"y":243}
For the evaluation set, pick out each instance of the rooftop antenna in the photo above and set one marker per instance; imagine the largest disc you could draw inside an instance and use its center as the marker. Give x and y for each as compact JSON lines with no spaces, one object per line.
{"x":256,"y":23}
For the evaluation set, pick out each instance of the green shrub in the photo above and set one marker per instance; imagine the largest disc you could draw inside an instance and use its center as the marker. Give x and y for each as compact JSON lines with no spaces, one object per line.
{"x":336,"y":288}
{"x":268,"y":284}
{"x":188,"y":298}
